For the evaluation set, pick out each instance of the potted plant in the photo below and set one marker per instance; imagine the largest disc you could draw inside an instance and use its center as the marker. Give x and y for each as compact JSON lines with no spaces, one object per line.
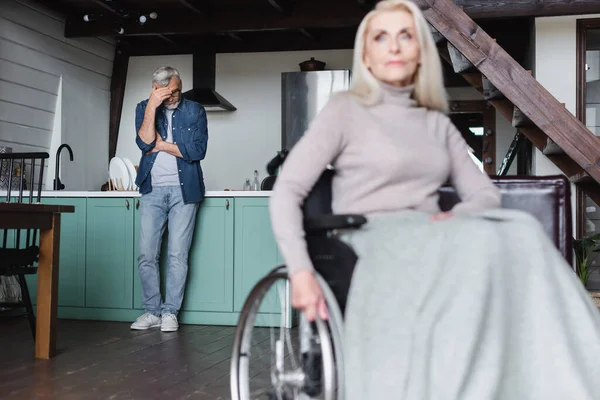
{"x":586,"y":250}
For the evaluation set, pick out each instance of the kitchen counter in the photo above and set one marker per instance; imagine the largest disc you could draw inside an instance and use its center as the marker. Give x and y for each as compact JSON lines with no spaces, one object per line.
{"x":233,"y":248}
{"x":135,"y":193}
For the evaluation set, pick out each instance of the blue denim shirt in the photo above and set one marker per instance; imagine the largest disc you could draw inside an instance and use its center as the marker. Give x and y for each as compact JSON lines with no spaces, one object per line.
{"x":190,"y":134}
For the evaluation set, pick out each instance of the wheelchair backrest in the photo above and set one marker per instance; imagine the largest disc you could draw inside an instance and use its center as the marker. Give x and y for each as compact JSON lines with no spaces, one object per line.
{"x":547,"y":198}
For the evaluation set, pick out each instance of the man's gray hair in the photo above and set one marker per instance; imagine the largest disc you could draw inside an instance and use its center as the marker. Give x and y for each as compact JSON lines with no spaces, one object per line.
{"x":162,"y":76}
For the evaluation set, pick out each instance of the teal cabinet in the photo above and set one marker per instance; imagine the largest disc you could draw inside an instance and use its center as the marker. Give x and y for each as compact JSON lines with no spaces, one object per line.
{"x":209,"y":285}
{"x":210,"y":274}
{"x":256,"y":253}
{"x":71,"y":267}
{"x":109,"y":253}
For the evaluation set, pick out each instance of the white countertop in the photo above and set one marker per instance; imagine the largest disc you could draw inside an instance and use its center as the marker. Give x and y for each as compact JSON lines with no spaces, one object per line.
{"x":68,"y":193}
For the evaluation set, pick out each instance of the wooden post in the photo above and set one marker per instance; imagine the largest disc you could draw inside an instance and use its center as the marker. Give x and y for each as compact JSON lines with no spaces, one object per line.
{"x":47,"y":298}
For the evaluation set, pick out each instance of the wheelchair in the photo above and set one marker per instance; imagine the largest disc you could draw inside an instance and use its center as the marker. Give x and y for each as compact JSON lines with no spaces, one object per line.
{"x":307,"y":360}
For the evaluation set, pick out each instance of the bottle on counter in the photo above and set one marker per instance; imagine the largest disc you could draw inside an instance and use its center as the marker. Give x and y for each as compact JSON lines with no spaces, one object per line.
{"x":247,"y":184}
{"x":255,"y":183}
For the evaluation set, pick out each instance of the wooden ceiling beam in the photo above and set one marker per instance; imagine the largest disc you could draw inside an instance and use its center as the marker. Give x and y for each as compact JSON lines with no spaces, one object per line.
{"x":194,"y":6}
{"x":526,"y":8}
{"x":283,"y":6}
{"x":305,"y":15}
{"x":257,"y":42}
{"x":314,"y":15}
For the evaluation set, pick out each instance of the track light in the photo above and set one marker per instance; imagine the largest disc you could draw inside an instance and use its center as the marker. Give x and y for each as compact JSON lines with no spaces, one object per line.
{"x":120,"y":30}
{"x":142,"y":19}
{"x":153,"y":15}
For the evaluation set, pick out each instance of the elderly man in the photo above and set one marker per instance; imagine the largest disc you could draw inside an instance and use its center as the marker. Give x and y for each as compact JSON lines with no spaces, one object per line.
{"x":172,"y":134}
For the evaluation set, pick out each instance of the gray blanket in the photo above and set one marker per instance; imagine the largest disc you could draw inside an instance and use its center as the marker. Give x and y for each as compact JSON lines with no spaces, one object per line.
{"x":477,"y":307}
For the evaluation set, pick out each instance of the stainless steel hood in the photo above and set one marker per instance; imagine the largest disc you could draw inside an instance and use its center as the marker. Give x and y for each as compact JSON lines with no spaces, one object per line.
{"x":203,"y":91}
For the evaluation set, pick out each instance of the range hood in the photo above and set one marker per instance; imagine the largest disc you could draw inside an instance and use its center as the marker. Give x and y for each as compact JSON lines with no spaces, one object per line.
{"x":203,"y":91}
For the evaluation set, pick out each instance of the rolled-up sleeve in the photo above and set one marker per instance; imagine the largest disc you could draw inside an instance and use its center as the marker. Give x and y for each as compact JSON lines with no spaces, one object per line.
{"x":195,"y":149}
{"x":139,"y":119}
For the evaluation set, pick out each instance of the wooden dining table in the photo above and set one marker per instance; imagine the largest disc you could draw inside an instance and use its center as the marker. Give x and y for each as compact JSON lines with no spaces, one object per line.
{"x":46,"y":218}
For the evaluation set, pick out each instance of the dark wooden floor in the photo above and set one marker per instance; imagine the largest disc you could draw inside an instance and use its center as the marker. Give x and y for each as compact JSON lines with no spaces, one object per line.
{"x":106,"y":360}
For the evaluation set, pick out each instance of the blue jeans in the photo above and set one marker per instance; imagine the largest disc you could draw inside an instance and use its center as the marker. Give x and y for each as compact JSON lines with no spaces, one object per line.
{"x":161,"y":207}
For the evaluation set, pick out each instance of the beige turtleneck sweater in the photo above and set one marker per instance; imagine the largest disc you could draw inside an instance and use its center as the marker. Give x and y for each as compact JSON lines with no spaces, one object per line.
{"x":389,"y":157}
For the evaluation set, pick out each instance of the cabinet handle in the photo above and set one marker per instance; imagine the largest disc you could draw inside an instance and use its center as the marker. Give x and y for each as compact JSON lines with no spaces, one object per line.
{"x":227,"y":204}
{"x":137,"y":204}
{"x":127,"y":204}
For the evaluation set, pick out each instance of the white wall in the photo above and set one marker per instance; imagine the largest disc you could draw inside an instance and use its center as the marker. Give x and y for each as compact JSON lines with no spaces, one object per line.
{"x":240,"y":141}
{"x":34,"y":54}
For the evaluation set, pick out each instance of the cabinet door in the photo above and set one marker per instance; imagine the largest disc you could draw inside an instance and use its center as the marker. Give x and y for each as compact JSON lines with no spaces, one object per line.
{"x":209,"y":285}
{"x":210,"y":275}
{"x":109,"y":253}
{"x":256,"y":252}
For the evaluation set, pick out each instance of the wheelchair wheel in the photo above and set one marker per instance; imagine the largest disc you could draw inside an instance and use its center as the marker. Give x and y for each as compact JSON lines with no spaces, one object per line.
{"x":279,"y":363}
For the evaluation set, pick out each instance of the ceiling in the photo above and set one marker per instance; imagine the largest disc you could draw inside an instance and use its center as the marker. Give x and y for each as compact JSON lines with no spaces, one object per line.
{"x":225,"y":26}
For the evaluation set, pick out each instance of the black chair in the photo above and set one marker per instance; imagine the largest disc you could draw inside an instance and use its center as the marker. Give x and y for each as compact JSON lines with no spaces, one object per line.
{"x":19,"y":251}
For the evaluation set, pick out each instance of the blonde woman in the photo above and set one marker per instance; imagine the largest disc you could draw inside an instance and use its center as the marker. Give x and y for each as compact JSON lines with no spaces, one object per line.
{"x":475,"y":303}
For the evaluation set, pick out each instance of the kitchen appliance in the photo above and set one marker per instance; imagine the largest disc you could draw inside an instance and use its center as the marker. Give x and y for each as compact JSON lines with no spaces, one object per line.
{"x":203,"y":91}
{"x":303,"y":95}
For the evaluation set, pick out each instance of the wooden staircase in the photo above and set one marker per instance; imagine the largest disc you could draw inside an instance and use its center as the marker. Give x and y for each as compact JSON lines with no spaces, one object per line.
{"x":515,"y":94}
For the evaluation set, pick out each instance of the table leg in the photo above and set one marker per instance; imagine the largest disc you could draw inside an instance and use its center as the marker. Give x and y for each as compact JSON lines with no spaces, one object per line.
{"x":47,"y":297}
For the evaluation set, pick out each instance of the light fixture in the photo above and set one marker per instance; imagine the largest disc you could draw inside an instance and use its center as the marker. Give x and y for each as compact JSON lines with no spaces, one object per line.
{"x":142,"y":19}
{"x":89,"y":17}
{"x":153,"y":15}
{"x":120,"y":30}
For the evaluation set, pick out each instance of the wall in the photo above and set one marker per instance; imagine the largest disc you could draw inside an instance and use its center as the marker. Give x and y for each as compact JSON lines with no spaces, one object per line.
{"x":240,"y":141}
{"x":34,"y":55}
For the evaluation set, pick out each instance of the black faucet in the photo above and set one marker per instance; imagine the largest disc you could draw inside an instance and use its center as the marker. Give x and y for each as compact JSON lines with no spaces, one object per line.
{"x":57,"y":184}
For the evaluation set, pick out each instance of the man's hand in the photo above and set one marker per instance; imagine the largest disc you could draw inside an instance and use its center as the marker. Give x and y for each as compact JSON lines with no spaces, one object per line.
{"x":159,"y":146}
{"x":442,"y":216}
{"x":158,"y":95}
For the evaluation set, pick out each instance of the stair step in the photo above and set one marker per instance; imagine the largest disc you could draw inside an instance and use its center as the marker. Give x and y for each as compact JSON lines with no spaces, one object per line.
{"x":490,"y":92}
{"x":552,"y":149}
{"x":460,"y":63}
{"x":438,"y":38}
{"x":581,"y":177}
{"x":520,"y":120}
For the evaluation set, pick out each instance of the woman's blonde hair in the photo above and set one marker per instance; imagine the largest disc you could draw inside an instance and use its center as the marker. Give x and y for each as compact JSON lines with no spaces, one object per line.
{"x":429,"y":81}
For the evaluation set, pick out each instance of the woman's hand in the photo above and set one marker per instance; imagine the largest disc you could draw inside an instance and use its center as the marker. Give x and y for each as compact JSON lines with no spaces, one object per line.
{"x":442,"y":216}
{"x":307,"y":295}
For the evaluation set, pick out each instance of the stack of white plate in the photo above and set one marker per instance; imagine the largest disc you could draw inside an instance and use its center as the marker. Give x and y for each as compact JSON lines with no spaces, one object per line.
{"x":122,"y":173}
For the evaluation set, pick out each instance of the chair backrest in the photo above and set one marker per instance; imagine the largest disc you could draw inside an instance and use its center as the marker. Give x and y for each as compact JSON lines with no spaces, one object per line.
{"x":547,"y":198}
{"x":23,"y":176}
{"x":14,"y":170}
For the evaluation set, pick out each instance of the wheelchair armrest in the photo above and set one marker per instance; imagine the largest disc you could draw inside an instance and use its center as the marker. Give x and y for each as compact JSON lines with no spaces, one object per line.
{"x":331,"y":222}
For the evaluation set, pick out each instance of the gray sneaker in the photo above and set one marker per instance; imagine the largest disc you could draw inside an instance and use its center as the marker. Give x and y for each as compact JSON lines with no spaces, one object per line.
{"x":169,"y":323}
{"x":146,"y":321}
